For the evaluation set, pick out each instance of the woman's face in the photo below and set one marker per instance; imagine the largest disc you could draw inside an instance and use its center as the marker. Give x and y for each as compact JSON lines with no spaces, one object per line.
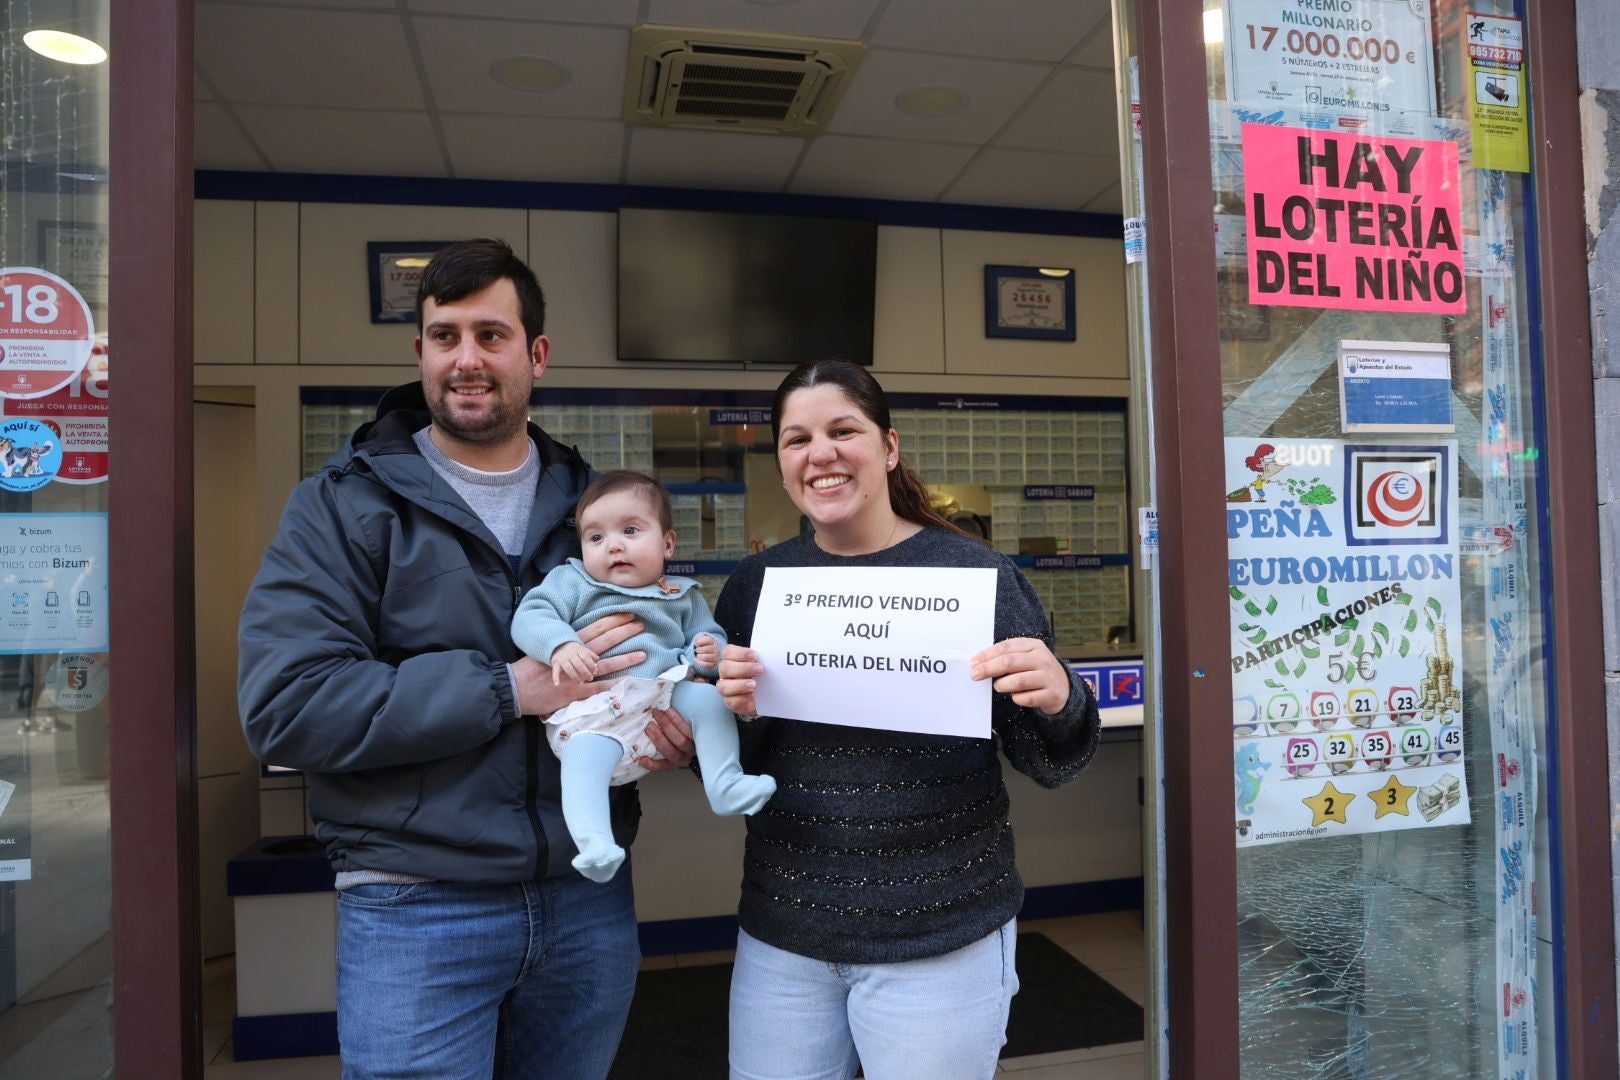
{"x":834,"y":459}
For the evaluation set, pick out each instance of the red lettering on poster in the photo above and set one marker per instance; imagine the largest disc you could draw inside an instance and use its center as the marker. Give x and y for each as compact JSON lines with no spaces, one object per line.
{"x":1351,"y":220}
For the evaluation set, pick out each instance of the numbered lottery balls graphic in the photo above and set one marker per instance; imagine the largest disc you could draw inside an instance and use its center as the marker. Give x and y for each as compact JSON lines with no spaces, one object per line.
{"x":1339,"y":751}
{"x":1376,"y":750}
{"x":1245,"y":716}
{"x":1301,"y":756}
{"x":1448,"y":744}
{"x":1415,"y":746}
{"x":1284,"y":713}
{"x":1362,"y":706}
{"x":1324,"y":709}
{"x":1403,"y":704}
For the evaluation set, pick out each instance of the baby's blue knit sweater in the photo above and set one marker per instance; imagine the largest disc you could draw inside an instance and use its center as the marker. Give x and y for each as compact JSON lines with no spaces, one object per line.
{"x":569,"y":598}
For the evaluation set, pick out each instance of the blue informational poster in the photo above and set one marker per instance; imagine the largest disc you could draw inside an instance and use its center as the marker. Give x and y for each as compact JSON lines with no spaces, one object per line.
{"x":1395,"y":386}
{"x":53,"y":569}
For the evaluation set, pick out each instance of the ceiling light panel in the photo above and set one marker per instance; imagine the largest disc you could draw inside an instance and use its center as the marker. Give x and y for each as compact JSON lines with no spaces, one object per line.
{"x":1045,"y":30}
{"x":535,"y":148}
{"x":344,"y":141}
{"x":1074,"y":113}
{"x":995,"y":88}
{"x":682,"y":157}
{"x":620,"y":13}
{"x":1033,"y":179}
{"x":64,"y":47}
{"x":280,"y":56}
{"x":219,"y":142}
{"x":463,"y":49}
{"x":809,"y":18}
{"x":879,"y":168}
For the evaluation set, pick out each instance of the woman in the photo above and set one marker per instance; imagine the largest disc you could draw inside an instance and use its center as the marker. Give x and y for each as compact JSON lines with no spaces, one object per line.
{"x":879,"y":892}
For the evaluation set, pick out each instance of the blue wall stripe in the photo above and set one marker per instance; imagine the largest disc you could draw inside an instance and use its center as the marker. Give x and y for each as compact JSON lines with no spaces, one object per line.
{"x":254,"y":1038}
{"x":428,"y":191}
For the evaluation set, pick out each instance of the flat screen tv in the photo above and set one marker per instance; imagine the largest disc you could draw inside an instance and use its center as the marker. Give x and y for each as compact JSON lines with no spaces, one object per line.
{"x":703,"y":286}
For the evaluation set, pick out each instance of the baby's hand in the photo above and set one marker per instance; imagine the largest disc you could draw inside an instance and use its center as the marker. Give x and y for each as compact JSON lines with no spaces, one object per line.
{"x":574,"y":662}
{"x":706,"y":650}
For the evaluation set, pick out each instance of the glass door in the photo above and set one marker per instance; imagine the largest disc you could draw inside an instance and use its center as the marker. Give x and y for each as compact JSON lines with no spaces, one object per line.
{"x":1379,"y":389}
{"x":55,"y":909}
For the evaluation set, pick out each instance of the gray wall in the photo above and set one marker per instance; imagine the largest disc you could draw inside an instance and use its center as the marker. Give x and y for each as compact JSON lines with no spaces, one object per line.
{"x":1598,"y":33}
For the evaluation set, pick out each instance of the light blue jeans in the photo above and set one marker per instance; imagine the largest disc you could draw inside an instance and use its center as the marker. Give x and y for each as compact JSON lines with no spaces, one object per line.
{"x":442,"y":981}
{"x":943,"y":1018}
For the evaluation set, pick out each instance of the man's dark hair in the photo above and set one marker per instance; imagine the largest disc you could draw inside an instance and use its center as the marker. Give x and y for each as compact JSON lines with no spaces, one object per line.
{"x":618,"y":480}
{"x":460,"y":269}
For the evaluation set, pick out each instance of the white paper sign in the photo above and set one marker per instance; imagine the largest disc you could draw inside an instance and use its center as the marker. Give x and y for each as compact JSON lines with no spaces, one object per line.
{"x":876,"y":647}
{"x":1360,"y":58}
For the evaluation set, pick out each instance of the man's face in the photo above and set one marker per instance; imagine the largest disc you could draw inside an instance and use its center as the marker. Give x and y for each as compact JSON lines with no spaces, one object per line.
{"x":477,"y":372}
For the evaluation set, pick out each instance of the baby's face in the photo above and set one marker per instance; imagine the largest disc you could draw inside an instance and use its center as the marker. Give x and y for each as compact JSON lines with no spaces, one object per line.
{"x":621,"y":540}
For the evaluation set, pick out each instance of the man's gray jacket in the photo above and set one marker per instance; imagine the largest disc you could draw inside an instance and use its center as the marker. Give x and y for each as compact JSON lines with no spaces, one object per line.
{"x":373,"y":656}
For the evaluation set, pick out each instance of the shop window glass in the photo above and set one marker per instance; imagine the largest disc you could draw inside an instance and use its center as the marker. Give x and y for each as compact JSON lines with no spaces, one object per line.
{"x":55,"y":897}
{"x":1044,"y":482}
{"x":1373,"y":228}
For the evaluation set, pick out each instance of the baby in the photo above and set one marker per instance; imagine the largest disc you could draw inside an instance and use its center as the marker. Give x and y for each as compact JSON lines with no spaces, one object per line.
{"x":624,"y":531}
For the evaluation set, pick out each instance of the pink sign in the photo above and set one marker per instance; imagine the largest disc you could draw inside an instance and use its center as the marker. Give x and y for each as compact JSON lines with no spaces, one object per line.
{"x":1340,"y":219}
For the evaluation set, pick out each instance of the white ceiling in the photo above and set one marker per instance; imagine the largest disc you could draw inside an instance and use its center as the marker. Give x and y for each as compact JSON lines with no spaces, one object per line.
{"x":402,"y":88}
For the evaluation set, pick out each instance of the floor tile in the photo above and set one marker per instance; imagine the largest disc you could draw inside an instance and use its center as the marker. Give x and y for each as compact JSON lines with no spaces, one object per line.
{"x":1102,"y":943}
{"x":702,"y":959}
{"x":1132,"y":982}
{"x":1129,"y":1067}
{"x":313,"y":1068}
{"x":215,"y":1036}
{"x":1022,"y":1066}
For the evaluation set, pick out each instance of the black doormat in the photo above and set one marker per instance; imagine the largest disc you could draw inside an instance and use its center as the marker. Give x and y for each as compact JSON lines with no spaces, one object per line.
{"x":677,"y":1026}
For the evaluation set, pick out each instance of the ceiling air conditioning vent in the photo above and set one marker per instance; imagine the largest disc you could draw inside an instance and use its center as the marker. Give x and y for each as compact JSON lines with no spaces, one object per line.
{"x":730,"y":79}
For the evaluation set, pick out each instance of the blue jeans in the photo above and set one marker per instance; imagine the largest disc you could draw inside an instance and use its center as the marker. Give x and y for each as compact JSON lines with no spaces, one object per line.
{"x":442,"y":981}
{"x":944,"y":1018}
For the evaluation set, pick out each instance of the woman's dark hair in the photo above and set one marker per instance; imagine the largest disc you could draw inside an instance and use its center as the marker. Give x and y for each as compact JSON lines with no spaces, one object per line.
{"x":625,"y":480}
{"x":908,"y":495}
{"x":458,"y":270}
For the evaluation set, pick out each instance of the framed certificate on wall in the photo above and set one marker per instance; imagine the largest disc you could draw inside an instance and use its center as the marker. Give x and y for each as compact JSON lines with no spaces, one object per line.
{"x":1029,"y":302}
{"x":395,"y":269}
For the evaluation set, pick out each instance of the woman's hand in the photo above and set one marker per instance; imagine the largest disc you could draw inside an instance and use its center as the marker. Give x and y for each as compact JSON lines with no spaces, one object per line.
{"x":1027,"y":670}
{"x":672,"y":735}
{"x":739,"y":667}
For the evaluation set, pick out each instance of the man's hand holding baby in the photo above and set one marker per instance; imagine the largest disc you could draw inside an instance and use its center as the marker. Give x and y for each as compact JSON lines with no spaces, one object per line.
{"x":540,"y":694}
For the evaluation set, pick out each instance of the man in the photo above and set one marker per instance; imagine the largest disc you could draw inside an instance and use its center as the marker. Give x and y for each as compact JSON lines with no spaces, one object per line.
{"x":376,"y":656}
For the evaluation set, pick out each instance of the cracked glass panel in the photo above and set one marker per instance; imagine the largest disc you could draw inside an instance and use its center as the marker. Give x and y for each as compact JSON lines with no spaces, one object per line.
{"x":1379,"y":378}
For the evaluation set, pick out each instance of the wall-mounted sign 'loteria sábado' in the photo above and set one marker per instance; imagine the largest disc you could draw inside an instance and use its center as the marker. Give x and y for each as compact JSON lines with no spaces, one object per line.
{"x":46,"y":332}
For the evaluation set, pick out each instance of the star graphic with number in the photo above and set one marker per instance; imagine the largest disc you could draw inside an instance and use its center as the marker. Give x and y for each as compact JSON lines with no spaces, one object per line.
{"x":1391,"y":798}
{"x":1328,"y":805}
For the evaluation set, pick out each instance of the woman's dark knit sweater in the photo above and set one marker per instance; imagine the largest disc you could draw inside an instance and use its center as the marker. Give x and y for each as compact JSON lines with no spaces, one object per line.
{"x":883,"y":846}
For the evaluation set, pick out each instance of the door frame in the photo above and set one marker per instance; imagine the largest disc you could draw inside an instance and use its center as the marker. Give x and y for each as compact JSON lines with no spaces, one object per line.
{"x":157,"y":963}
{"x":1201,"y":859}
